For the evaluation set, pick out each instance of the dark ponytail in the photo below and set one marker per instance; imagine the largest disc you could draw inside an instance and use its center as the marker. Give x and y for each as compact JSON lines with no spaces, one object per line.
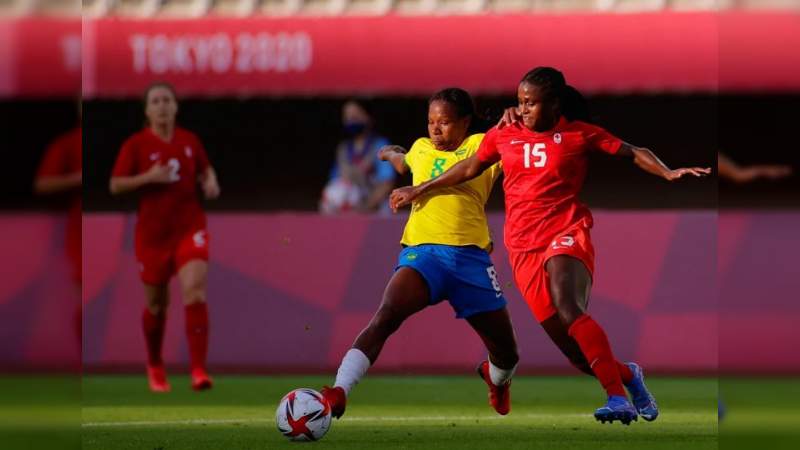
{"x":574,"y":105}
{"x":554,"y":86}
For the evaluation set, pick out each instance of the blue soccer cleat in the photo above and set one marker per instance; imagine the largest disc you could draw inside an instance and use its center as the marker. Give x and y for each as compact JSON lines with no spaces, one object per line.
{"x":643,"y":400}
{"x":617,"y":408}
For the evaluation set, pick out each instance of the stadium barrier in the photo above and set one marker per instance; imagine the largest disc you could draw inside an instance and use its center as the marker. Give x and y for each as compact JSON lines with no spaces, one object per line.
{"x":676,"y":291}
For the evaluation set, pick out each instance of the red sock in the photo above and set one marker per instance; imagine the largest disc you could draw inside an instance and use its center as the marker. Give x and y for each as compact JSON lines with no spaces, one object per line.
{"x":153,"y":327}
{"x":594,"y":344}
{"x":624,"y":373}
{"x":197,"y":333}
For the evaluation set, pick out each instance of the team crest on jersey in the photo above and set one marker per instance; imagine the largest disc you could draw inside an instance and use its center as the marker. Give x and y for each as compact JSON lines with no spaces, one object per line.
{"x":154,"y":156}
{"x":199,"y":239}
{"x":188,"y":151}
{"x":563,"y":242}
{"x":461,"y":152}
{"x":557,"y":138}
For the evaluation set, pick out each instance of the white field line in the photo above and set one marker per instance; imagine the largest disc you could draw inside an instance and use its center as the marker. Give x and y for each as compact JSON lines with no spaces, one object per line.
{"x":148,"y":423}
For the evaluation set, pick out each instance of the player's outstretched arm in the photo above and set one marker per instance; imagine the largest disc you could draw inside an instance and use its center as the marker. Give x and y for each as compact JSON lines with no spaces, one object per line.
{"x":649,"y":162}
{"x":727,"y":168}
{"x":53,"y":184}
{"x":462,"y":171}
{"x":396,"y":155}
{"x":158,"y":173}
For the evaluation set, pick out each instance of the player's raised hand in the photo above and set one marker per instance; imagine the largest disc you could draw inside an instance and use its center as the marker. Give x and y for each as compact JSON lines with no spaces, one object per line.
{"x":401,"y":197}
{"x":387,"y":150}
{"x":675,"y":174}
{"x":510,"y":116}
{"x":159,"y":173}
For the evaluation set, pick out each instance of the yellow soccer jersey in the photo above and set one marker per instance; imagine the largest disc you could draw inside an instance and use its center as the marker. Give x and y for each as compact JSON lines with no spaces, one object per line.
{"x":454,"y":215}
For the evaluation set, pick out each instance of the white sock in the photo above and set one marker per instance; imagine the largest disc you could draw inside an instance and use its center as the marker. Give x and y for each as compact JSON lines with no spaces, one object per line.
{"x":500,"y":376}
{"x":354,"y":365}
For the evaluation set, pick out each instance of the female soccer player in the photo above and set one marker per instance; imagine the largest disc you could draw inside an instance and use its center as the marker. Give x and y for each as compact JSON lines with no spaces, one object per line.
{"x":164,"y":163}
{"x":445,"y":256}
{"x":547,"y":228}
{"x":60,"y":173}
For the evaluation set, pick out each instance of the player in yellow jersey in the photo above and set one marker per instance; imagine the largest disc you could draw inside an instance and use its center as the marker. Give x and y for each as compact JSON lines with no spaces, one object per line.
{"x":445,"y":255}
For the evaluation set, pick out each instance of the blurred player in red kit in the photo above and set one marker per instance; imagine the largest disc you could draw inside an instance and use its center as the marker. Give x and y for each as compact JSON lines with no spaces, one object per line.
{"x":60,"y":173}
{"x":164,"y":164}
{"x":544,"y":157}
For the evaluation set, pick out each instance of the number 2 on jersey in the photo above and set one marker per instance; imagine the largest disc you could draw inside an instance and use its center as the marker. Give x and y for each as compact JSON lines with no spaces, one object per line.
{"x":537,"y":152}
{"x":174,"y":168}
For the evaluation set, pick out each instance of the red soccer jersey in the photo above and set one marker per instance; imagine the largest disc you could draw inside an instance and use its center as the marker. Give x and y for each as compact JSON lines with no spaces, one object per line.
{"x":63,"y":157}
{"x":166,"y":211}
{"x":544,"y":172}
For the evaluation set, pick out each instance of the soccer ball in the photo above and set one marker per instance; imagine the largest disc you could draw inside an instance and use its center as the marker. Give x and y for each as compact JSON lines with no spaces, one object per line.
{"x":340,"y":196}
{"x":303,"y":415}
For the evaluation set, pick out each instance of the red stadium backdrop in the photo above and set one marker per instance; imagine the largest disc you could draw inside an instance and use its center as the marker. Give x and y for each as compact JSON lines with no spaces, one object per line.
{"x":291,"y":291}
{"x":667,"y":51}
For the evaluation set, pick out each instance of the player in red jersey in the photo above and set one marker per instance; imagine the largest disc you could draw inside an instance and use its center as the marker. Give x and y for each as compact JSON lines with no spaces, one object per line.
{"x":164,"y":163}
{"x":547,"y":228}
{"x":60,"y":173}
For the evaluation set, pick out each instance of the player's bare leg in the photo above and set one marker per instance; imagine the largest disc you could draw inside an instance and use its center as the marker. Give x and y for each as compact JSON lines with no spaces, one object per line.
{"x":497,"y":334}
{"x":570,"y":283}
{"x":153,"y":322}
{"x":405,"y":295}
{"x":192,"y":277}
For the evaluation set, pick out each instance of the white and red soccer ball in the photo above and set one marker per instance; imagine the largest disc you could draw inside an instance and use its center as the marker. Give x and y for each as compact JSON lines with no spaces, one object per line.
{"x":340,"y":196}
{"x":303,"y":415}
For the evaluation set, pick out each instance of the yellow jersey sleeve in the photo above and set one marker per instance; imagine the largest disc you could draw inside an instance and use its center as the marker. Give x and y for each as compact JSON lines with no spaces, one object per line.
{"x":412,"y":157}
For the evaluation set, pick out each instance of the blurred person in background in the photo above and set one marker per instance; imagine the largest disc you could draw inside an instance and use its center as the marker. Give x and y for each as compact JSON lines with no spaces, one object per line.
{"x":732,"y":171}
{"x":60,"y":174}
{"x":359,"y":180}
{"x":164,"y":164}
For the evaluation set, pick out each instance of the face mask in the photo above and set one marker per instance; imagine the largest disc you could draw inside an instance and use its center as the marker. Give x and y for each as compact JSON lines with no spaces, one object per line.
{"x":354,"y":128}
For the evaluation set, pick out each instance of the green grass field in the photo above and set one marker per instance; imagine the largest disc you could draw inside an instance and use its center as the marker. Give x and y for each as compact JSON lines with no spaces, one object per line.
{"x":385,"y":412}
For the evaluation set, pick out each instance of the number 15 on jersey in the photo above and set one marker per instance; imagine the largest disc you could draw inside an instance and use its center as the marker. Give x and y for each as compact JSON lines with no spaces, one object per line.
{"x":536,"y":153}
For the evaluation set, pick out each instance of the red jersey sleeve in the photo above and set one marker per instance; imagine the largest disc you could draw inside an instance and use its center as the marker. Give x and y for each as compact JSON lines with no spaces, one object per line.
{"x":125,"y":165}
{"x":600,"y":139}
{"x":488,"y":151}
{"x":54,"y":162}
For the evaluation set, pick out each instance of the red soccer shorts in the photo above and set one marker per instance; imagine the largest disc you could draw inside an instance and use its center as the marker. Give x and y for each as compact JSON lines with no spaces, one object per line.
{"x":157,"y":264}
{"x":531,"y":276}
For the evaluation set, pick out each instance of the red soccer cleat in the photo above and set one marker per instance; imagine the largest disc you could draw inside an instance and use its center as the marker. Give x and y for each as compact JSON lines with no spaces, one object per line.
{"x":200,"y":380}
{"x":336,"y":399}
{"x":157,"y":377}
{"x":499,"y":396}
